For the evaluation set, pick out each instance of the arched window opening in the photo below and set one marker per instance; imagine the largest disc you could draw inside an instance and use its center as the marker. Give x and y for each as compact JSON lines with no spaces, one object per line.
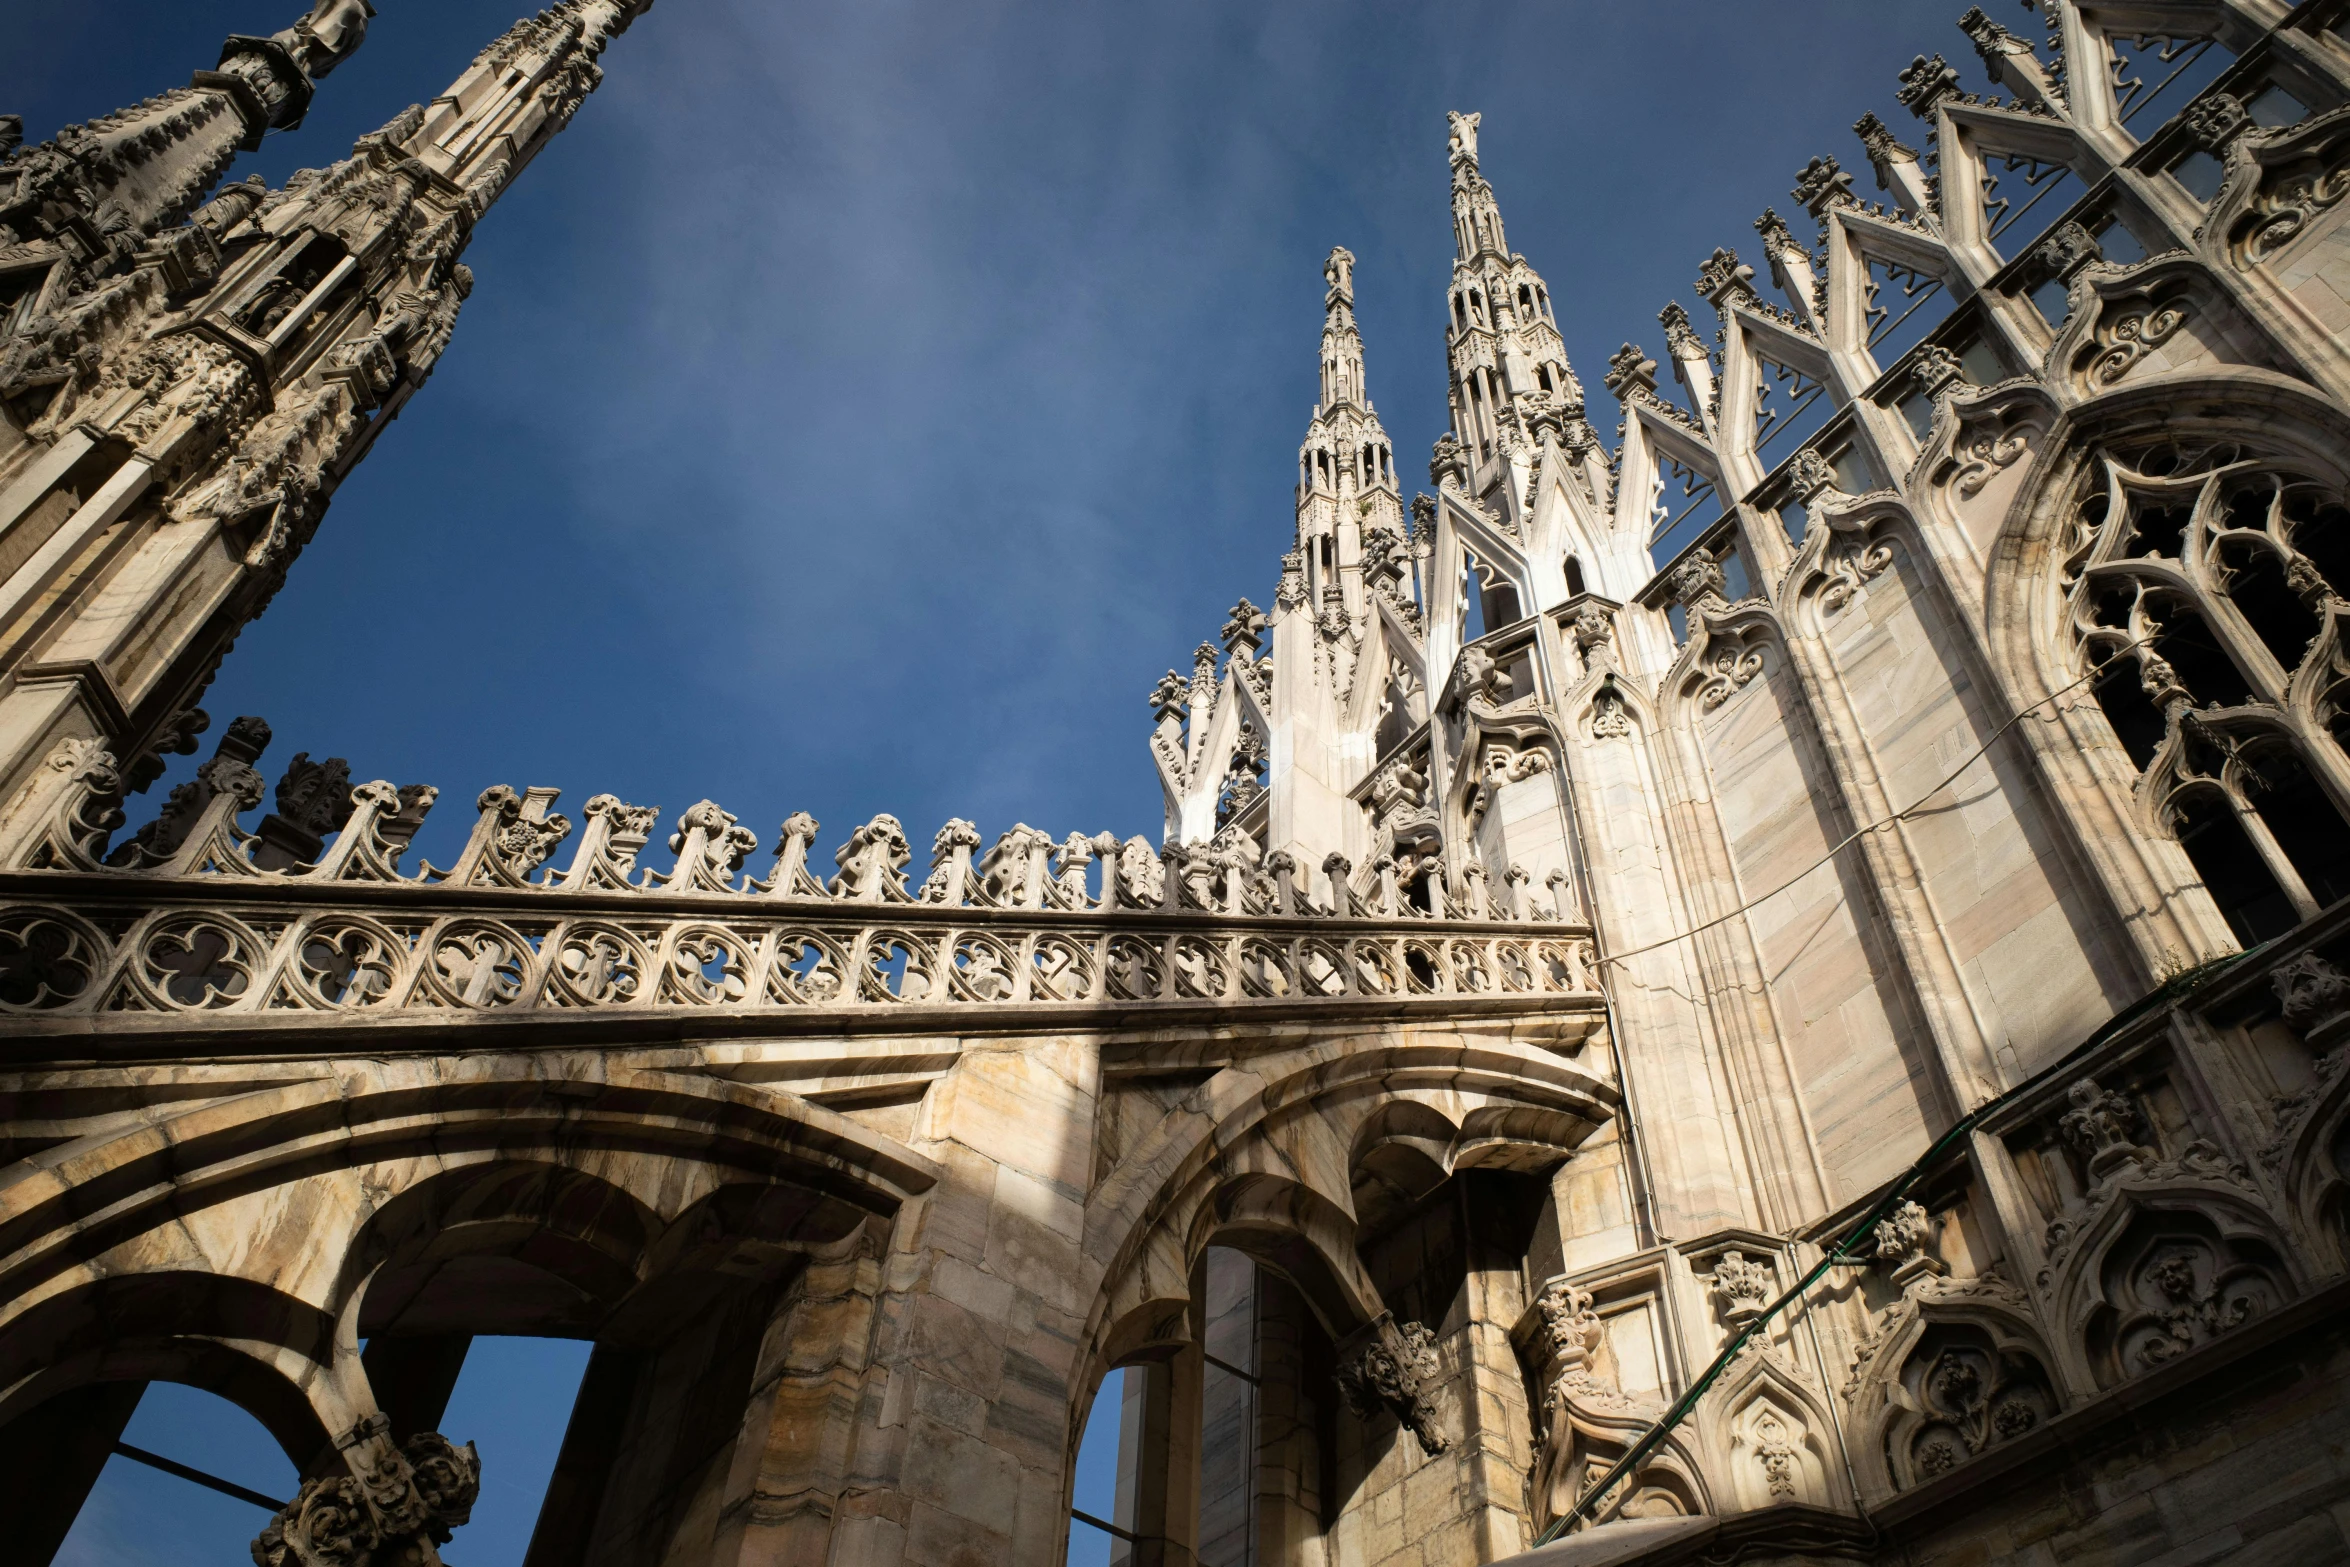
{"x":2185,"y":559}
{"x":1477,"y":304}
{"x":1525,"y":299}
{"x":1103,"y":1524}
{"x":1460,"y":313}
{"x":2233,"y":872}
{"x":2319,"y":529}
{"x":1542,"y":295}
{"x":2254,"y":580}
{"x":1542,"y":376}
{"x":108,"y":1506}
{"x":2137,"y":722}
{"x":2308,"y":828}
{"x":1574,"y":577}
{"x":2200,"y":664}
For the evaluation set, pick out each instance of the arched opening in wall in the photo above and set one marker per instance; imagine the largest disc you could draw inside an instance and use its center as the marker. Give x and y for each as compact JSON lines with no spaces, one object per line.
{"x":1104,"y":1528}
{"x":72,"y":1458}
{"x":1241,"y":1426}
{"x":2248,"y":896}
{"x":1447,"y":1251}
{"x":1574,"y":577}
{"x":2190,"y":579}
{"x":468,"y":1276}
{"x":1495,"y":597}
{"x":2302,"y":819}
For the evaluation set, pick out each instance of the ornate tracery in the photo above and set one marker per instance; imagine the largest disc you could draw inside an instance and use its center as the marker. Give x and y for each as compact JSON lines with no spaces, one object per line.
{"x":2206,"y":581}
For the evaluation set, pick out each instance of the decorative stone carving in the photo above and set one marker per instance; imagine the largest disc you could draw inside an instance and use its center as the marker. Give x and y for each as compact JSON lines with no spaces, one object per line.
{"x":1395,"y":1368}
{"x":1902,"y":1239}
{"x":389,"y":1513}
{"x":1743,"y":1288}
{"x":1630,"y":371}
{"x":2314,"y":992}
{"x":1699,"y":580}
{"x":1724,"y":278}
{"x":1680,"y":337}
{"x":2216,"y":119}
{"x":1969,"y":1396}
{"x":1821,"y":185}
{"x":1982,"y":451}
{"x":2125,"y":338}
{"x":2067,"y":248}
{"x":1848,"y":569}
{"x":1925,"y":83}
{"x":2100,"y":1124}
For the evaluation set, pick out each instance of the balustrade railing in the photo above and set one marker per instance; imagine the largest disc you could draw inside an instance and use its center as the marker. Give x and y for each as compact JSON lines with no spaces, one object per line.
{"x":314,"y":910}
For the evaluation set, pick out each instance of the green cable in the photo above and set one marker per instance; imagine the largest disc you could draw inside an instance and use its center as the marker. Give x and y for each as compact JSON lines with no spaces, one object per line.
{"x":2177,"y":986}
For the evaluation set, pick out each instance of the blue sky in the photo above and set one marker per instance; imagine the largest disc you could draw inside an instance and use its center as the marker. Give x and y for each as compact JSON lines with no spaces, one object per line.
{"x":861,"y":404}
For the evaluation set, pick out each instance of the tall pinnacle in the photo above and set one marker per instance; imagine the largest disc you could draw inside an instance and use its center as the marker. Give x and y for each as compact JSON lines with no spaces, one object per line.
{"x":1510,"y":380}
{"x":1346,"y":466}
{"x":94,"y":193}
{"x":1342,"y":345}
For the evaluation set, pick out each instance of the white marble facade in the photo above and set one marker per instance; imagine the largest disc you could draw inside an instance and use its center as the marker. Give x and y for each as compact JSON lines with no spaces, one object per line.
{"x":1940,"y":660}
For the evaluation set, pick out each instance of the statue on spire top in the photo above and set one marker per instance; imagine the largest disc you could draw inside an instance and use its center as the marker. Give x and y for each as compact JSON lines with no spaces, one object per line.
{"x":1339,"y":273}
{"x":1464,"y":137}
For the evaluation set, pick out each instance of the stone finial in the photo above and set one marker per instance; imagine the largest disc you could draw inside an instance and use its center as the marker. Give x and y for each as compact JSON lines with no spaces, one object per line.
{"x":2100,"y":1124}
{"x":1823,"y":184}
{"x":2215,"y":119}
{"x":1925,"y":82}
{"x":1810,"y":474}
{"x":1992,"y":41}
{"x":1396,"y":1369}
{"x":313,"y":800}
{"x":1934,"y":368}
{"x":2313,"y":991}
{"x":1291,"y":594}
{"x":1423,"y":514}
{"x":1630,"y":370}
{"x":1743,"y":1287}
{"x":1593,"y":632}
{"x":1778,"y":239}
{"x":1447,"y":460}
{"x":1203,"y":665}
{"x":870,"y":862}
{"x":1170,"y":698}
{"x":1881,"y":145}
{"x":1561,"y":901}
{"x":1244,"y":631}
{"x":1901,"y":1244}
{"x":1681,"y":338}
{"x":1338,"y":868}
{"x":1698,"y":580}
{"x":2068,"y":248}
{"x":1723,"y":277}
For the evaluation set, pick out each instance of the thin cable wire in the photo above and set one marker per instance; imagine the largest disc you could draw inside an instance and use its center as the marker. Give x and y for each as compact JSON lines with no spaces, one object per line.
{"x":1876,"y":826}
